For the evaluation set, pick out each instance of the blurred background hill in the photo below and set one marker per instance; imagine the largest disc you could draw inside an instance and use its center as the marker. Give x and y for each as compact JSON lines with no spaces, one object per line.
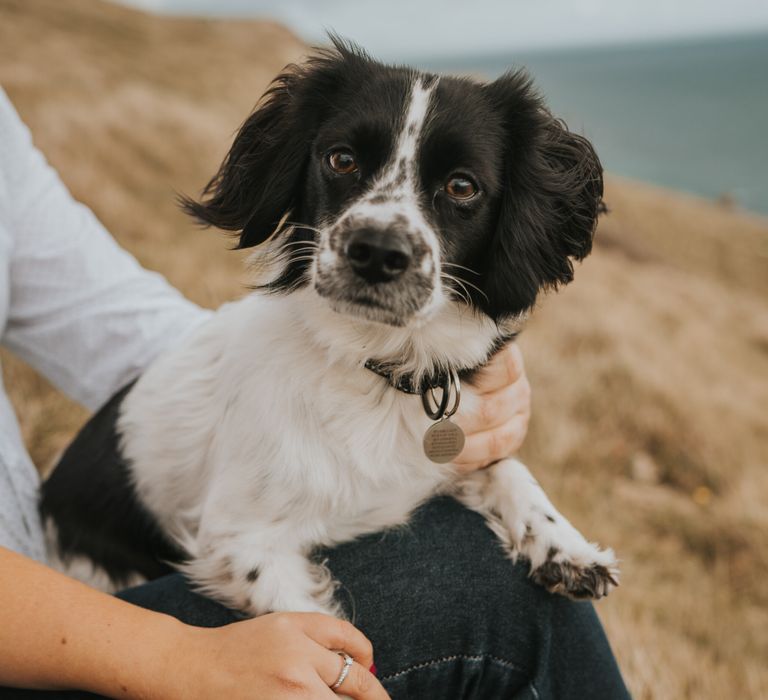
{"x":650,"y":371}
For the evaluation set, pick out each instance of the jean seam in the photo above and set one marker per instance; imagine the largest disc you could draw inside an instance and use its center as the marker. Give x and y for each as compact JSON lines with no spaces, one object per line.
{"x":444,"y":659}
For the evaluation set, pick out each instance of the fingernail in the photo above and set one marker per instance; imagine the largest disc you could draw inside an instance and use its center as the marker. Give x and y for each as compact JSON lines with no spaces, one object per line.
{"x":372,"y":669}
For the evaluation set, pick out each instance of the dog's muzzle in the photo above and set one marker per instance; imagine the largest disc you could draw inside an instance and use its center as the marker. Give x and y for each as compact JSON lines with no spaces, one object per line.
{"x":375,"y":269}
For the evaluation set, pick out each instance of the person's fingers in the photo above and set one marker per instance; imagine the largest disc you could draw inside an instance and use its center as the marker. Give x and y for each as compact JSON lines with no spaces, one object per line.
{"x":359,"y":683}
{"x":496,"y":408}
{"x":489,"y":446}
{"x":468,"y":468}
{"x":504,"y":368}
{"x":332,"y":633}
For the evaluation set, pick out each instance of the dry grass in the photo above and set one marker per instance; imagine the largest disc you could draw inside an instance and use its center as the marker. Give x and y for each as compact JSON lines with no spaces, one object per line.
{"x":649,"y":372}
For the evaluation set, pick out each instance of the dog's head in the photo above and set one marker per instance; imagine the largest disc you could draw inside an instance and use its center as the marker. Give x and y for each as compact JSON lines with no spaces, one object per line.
{"x":394,"y":192}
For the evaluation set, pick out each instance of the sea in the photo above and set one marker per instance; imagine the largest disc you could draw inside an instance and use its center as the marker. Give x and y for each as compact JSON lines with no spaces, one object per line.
{"x":689,"y":115}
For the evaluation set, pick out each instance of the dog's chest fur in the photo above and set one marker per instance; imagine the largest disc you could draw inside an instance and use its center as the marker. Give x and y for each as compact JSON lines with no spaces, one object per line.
{"x":258,"y":420}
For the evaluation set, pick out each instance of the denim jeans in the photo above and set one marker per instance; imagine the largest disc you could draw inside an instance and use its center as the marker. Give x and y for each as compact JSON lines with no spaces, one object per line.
{"x":449,"y":616}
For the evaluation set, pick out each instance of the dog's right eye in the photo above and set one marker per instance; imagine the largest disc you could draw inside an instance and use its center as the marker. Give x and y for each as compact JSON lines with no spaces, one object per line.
{"x":342,"y":161}
{"x":460,"y":187}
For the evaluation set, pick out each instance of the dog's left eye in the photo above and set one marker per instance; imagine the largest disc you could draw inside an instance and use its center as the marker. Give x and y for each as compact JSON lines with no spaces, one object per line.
{"x":342,"y":161}
{"x":460,"y":187}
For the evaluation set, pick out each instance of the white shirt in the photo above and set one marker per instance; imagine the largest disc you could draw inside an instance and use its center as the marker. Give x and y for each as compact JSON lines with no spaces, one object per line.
{"x":73,"y":304}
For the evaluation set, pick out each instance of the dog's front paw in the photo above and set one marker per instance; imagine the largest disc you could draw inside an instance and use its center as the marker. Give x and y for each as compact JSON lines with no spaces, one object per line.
{"x":581,"y":578}
{"x":528,"y":526}
{"x":562,"y":560}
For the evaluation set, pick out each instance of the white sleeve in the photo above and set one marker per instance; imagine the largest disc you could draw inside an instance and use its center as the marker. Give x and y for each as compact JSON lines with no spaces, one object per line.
{"x":82,"y":311}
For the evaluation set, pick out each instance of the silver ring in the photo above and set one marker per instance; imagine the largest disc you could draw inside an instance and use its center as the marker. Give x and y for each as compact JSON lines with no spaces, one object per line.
{"x":348,"y":661}
{"x":457,"y":394}
{"x":436,"y":413}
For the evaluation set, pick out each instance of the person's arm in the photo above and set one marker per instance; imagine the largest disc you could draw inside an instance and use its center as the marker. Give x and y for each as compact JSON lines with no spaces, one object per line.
{"x":56,"y":633}
{"x":82,"y":311}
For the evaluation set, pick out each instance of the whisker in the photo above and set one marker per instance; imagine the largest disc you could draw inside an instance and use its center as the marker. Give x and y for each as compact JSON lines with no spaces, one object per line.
{"x":464,"y":282}
{"x":297,"y":254}
{"x":474,"y":286}
{"x":309,"y":244}
{"x":461,"y":267}
{"x":462,"y":292}
{"x":296,"y":224}
{"x":462,"y":297}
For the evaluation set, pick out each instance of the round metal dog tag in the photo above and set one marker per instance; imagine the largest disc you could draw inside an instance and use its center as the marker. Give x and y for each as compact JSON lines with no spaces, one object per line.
{"x":443,"y":441}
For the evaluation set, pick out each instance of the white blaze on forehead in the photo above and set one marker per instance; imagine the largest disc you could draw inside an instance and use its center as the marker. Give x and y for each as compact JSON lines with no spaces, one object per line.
{"x":408,"y":140}
{"x":394,"y":192}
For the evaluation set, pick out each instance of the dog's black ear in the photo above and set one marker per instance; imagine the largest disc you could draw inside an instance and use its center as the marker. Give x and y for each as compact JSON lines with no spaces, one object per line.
{"x":553,"y":188}
{"x":261,"y":176}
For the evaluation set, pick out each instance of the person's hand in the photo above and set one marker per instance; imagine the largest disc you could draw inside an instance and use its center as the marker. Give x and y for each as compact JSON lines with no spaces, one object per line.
{"x":280,"y":656}
{"x":496,"y":424}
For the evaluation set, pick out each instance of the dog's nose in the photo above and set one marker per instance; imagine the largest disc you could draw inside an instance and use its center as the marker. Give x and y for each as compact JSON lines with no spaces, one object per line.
{"x":378,"y":256}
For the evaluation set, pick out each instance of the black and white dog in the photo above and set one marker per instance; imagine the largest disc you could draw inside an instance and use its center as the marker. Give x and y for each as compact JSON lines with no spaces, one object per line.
{"x":405,"y":223}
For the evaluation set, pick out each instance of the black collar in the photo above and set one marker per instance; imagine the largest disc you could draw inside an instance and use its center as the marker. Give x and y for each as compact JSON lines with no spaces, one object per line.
{"x":433,"y":381}
{"x":405,"y":381}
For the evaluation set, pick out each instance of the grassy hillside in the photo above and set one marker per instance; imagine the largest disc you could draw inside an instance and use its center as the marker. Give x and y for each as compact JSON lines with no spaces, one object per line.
{"x":650,"y":372}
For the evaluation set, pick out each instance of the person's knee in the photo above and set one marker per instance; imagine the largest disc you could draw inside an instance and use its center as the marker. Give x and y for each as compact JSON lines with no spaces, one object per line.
{"x":441,"y":587}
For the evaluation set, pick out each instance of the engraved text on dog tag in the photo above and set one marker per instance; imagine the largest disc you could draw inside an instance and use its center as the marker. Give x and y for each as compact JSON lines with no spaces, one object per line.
{"x":443,"y":441}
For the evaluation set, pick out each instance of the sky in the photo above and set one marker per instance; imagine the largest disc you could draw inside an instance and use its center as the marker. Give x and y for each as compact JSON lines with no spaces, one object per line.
{"x":403,"y":29}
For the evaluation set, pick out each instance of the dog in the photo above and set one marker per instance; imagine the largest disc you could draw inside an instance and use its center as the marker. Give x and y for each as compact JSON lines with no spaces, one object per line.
{"x":403,"y":224}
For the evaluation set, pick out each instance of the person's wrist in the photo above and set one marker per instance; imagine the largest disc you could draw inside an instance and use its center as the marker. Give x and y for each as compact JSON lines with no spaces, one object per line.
{"x":138,"y":659}
{"x":187,"y":667}
{"x":166,"y":667}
